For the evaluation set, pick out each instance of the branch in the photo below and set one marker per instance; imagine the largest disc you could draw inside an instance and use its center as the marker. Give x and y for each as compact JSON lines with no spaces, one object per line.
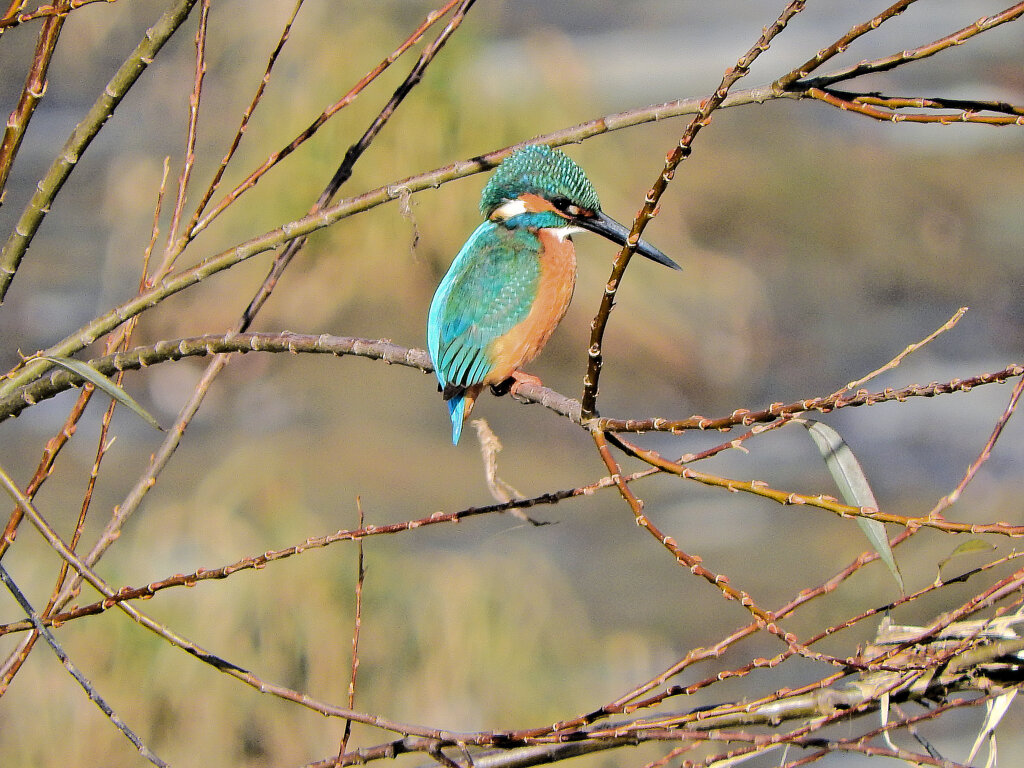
{"x":31,"y":95}
{"x":887,"y":63}
{"x":48,"y":187}
{"x":820,"y":501}
{"x":650,"y":208}
{"x":15,"y":16}
{"x":58,"y":380}
{"x":82,"y":680}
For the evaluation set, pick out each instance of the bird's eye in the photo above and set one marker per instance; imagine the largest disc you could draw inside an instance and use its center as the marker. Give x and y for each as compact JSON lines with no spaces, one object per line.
{"x":566,"y":206}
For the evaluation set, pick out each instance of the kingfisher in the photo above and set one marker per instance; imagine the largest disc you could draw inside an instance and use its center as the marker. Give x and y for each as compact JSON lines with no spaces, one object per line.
{"x":511,"y":284}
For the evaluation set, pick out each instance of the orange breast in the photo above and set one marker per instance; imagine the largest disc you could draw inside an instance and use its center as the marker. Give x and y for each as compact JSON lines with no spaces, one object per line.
{"x":557,"y":280}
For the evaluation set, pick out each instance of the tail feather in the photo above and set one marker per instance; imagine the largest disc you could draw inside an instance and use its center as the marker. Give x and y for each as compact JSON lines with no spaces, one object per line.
{"x":457,"y":411}
{"x":459,"y":407}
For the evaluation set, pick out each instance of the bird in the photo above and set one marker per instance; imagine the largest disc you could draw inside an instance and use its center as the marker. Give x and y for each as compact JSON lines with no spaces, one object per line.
{"x":511,"y":283}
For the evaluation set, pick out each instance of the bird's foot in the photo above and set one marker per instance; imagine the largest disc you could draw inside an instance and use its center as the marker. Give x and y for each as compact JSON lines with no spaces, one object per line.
{"x":513,"y":383}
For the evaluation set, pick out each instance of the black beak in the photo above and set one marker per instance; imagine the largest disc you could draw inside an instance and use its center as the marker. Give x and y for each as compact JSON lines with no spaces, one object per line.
{"x":608,"y":227}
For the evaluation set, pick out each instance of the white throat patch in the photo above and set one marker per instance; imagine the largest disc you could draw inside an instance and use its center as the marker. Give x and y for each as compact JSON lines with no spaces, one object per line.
{"x":563,"y":233}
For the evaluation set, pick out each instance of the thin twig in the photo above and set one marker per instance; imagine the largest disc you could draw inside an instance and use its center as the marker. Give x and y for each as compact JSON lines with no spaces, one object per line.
{"x":840,"y":45}
{"x":910,"y":349}
{"x":65,"y":162}
{"x":190,"y":229}
{"x":60,"y":379}
{"x":88,"y":574}
{"x":953,"y":496}
{"x":31,"y":94}
{"x":691,"y":562}
{"x":189,"y":154}
{"x":887,"y":63}
{"x":53,"y":448}
{"x":15,"y":16}
{"x":13,"y":9}
{"x":819,"y":501}
{"x":649,"y":210}
{"x":170,"y":443}
{"x":81,"y":679}
{"x":894,"y":116}
{"x":251,"y":180}
{"x":356,"y":626}
{"x":121,"y":339}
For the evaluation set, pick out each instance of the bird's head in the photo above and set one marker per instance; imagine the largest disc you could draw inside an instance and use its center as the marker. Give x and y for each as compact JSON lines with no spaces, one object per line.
{"x":541,"y":187}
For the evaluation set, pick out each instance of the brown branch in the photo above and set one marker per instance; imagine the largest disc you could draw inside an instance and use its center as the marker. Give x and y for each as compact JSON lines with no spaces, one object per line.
{"x":907,"y":351}
{"x":87,"y":574}
{"x":743,"y":417}
{"x":190,"y":230}
{"x":862,"y":107}
{"x":893,"y":103}
{"x":820,"y":501}
{"x":13,"y":9}
{"x":257,"y":562}
{"x":163,"y":454}
{"x":953,"y":496}
{"x":189,"y":154}
{"x":840,"y":45}
{"x":356,"y":626}
{"x":649,"y":210}
{"x":31,"y":94}
{"x":58,"y":380}
{"x":887,"y":63}
{"x":60,"y":169}
{"x":17,"y":658}
{"x":81,"y":679}
{"x":45,"y":466}
{"x":251,"y":180}
{"x":15,"y":16}
{"x":691,"y":562}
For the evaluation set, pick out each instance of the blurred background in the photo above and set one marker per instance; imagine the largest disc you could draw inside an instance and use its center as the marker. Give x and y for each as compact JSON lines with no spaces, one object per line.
{"x":815,"y":246}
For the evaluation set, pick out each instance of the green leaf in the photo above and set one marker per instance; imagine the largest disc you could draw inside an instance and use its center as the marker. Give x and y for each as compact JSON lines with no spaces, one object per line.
{"x":854,"y":488}
{"x":104,"y":384}
{"x":969,"y":547}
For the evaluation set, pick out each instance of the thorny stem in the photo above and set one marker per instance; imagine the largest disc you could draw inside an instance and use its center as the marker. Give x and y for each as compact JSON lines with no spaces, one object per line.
{"x":15,"y":15}
{"x":650,"y":208}
{"x":18,"y":657}
{"x":162,"y":456}
{"x":190,"y":229}
{"x":356,"y":626}
{"x":433,"y":741}
{"x":189,"y":154}
{"x":913,"y":54}
{"x":46,"y":190}
{"x":31,"y":94}
{"x":87,"y":574}
{"x":81,"y":679}
{"x":197,"y":224}
{"x":692,"y":562}
{"x":953,"y":496}
{"x":840,"y":45}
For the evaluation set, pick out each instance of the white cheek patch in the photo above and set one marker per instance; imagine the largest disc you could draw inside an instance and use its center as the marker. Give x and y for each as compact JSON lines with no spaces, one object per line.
{"x":508,"y":210}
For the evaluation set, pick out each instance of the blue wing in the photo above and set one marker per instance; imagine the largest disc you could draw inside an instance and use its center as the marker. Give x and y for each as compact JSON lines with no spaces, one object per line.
{"x":488,"y":290}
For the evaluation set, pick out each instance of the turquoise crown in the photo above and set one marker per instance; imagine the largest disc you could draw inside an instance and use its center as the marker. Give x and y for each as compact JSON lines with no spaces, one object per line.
{"x":542,"y":171}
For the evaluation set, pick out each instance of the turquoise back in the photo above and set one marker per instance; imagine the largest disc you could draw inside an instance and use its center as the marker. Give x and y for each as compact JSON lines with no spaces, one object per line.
{"x":489,"y":289}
